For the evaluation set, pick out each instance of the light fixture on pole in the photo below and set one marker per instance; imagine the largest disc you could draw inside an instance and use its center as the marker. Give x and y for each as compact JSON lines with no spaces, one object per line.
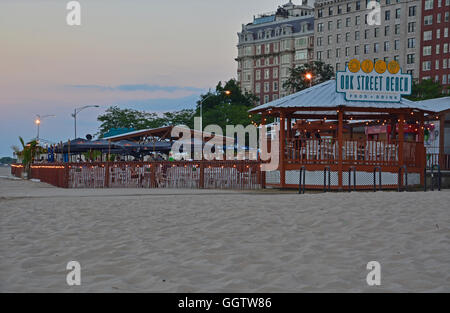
{"x":78,"y":110}
{"x":309,"y":77}
{"x":38,"y":121}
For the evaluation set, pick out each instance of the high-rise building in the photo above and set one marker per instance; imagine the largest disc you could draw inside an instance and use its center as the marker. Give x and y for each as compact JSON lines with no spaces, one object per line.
{"x":272,"y":44}
{"x":435,"y":42}
{"x":344,"y":30}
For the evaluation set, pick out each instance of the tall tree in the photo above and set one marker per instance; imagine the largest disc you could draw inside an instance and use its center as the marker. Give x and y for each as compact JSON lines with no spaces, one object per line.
{"x":228,"y":105}
{"x":426,"y":89}
{"x":320,"y":72}
{"x":115,"y":117}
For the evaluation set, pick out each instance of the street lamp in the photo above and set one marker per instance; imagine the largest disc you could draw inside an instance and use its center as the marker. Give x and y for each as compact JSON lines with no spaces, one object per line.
{"x":226,"y":92}
{"x":78,"y":110}
{"x":309,"y":77}
{"x":38,"y":122}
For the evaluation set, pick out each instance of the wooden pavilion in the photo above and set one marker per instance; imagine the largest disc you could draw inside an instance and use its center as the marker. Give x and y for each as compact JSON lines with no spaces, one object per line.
{"x":329,"y":145}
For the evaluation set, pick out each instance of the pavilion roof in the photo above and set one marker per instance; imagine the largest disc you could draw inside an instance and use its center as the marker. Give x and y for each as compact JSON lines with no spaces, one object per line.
{"x":437,"y":105}
{"x":324,"y":95}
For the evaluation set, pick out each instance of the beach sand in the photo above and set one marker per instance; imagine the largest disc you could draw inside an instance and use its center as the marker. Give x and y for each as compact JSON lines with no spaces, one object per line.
{"x":167,"y":240}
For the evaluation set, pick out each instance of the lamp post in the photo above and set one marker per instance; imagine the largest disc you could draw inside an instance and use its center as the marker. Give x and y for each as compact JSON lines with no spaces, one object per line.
{"x":78,"y":110}
{"x":226,"y":92}
{"x":309,"y":77}
{"x":38,"y":121}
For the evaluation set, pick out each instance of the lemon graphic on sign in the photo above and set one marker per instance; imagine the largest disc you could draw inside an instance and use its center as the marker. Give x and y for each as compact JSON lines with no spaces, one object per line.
{"x":393,"y":67}
{"x":354,"y":66}
{"x":367,"y":66}
{"x":380,"y":67}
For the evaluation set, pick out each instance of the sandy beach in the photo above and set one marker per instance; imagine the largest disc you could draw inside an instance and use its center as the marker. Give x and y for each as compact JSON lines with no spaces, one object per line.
{"x":168,"y":240}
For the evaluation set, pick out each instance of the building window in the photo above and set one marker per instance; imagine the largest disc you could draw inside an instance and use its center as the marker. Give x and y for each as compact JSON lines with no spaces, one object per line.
{"x":436,"y":65}
{"x":410,"y":59}
{"x":258,"y":88}
{"x":338,"y":38}
{"x":396,"y":44}
{"x":338,"y":52}
{"x":386,"y":31}
{"x":366,"y":34}
{"x":339,"y":10}
{"x":387,"y":15}
{"x":427,"y":50}
{"x":330,"y":25}
{"x":428,"y":35}
{"x":411,"y":43}
{"x":412,"y":11}
{"x":356,"y":50}
{"x":428,"y":20}
{"x":329,"y":39}
{"x":320,"y":13}
{"x":266,"y":87}
{"x":411,"y":27}
{"x":275,"y":86}
{"x":348,"y":20}
{"x":357,"y":35}
{"x":426,"y":65}
{"x":438,"y":49}
{"x":357,"y":20}
{"x":258,"y":75}
{"x":330,"y":11}
{"x":266,"y":98}
{"x":376,"y":47}
{"x":319,"y":41}
{"x":376,"y":32}
{"x":338,"y":24}
{"x":320,"y":27}
{"x":349,"y":7}
{"x":301,"y":55}
{"x":397,"y":13}
{"x":347,"y":51}
{"x":266,"y":74}
{"x":428,"y":4}
{"x":397,"y":29}
{"x":358,"y":5}
{"x":319,"y":55}
{"x":347,"y":37}
{"x":386,"y":46}
{"x":366,"y":49}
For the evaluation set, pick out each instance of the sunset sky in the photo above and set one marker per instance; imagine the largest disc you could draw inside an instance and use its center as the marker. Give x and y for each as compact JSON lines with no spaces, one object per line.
{"x":153,"y":55}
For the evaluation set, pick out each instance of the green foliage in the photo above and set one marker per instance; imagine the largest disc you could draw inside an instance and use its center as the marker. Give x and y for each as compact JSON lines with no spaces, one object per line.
{"x":28,"y":153}
{"x":7,"y":160}
{"x":320,"y":72}
{"x":128,"y":118}
{"x":223,"y":109}
{"x":219,"y":108}
{"x":92,"y":155}
{"x":426,"y":89}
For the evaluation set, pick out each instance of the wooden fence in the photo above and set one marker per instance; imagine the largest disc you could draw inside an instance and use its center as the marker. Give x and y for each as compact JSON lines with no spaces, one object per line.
{"x":183,"y":174}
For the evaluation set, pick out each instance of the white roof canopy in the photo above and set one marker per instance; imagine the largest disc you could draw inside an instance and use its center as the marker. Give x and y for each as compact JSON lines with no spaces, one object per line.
{"x":324,"y":95}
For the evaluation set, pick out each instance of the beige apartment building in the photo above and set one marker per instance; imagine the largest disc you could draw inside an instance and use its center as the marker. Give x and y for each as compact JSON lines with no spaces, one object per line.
{"x":272,"y":44}
{"x":343,"y":32}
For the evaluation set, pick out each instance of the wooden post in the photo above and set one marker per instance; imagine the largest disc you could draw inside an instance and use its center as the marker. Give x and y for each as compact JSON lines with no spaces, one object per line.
{"x":420,"y":152}
{"x":340,"y":146}
{"x":202,"y":175}
{"x":106,"y":177}
{"x":289,"y":130}
{"x":401,"y":139}
{"x":442,"y":141}
{"x":282,"y":149}
{"x":263,"y":139}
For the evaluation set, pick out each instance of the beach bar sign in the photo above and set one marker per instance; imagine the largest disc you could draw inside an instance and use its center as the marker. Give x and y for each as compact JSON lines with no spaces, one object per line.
{"x":368,"y":82}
